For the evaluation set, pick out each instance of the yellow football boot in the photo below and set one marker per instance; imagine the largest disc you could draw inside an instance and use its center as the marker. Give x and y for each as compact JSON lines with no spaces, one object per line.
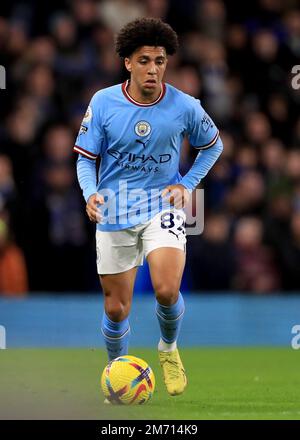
{"x":173,"y":372}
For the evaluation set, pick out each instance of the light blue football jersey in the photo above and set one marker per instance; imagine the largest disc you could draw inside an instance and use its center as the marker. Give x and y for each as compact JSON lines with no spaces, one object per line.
{"x":139,"y":146}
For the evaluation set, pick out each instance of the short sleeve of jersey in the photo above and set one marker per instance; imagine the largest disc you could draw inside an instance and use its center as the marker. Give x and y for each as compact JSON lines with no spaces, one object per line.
{"x":90,"y":137}
{"x":201,"y":131}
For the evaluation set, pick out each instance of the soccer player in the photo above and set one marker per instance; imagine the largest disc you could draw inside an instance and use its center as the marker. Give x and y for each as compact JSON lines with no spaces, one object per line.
{"x":137,"y":200}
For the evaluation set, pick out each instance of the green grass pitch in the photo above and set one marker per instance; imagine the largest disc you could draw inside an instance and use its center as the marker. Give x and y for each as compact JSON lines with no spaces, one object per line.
{"x":223,"y":383}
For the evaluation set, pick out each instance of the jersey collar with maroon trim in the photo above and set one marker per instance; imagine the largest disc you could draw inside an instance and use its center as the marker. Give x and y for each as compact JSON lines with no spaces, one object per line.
{"x":125,"y":86}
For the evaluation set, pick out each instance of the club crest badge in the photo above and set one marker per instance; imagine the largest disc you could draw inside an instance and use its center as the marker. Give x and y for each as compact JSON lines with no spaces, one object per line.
{"x":142,"y":128}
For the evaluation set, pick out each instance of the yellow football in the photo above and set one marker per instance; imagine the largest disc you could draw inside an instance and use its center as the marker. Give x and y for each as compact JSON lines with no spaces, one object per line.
{"x":128,"y":380}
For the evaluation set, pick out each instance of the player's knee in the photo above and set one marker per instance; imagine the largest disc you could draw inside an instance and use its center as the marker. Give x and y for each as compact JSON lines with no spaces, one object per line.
{"x":117,"y":311}
{"x":167,"y":294}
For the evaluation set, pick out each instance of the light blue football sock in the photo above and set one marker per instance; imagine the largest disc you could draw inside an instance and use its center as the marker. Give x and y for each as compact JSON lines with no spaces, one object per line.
{"x":170,"y":319}
{"x":116,"y":336}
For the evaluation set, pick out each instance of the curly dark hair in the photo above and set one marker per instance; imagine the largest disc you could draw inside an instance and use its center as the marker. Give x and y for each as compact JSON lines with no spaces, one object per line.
{"x":146,"y":32}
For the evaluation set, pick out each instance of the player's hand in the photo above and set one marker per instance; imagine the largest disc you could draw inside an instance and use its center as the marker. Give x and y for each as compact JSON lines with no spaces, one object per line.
{"x":177,"y":195}
{"x":92,"y":207}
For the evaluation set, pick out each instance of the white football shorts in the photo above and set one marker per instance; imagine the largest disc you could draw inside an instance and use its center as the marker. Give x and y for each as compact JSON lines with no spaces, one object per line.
{"x":119,"y":251}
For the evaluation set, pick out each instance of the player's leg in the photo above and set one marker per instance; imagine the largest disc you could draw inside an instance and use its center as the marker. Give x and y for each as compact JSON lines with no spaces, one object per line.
{"x":118,"y":255}
{"x":164,"y":243}
{"x":117,"y":291}
{"x":166,"y":269}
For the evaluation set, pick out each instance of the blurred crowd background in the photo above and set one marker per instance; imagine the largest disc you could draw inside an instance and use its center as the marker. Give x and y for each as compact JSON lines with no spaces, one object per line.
{"x":237,"y":57}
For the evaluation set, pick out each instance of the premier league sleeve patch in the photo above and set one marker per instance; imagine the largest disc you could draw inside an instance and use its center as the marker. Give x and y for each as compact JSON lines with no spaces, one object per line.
{"x":88,"y":114}
{"x":206,"y":123}
{"x":202,"y":131}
